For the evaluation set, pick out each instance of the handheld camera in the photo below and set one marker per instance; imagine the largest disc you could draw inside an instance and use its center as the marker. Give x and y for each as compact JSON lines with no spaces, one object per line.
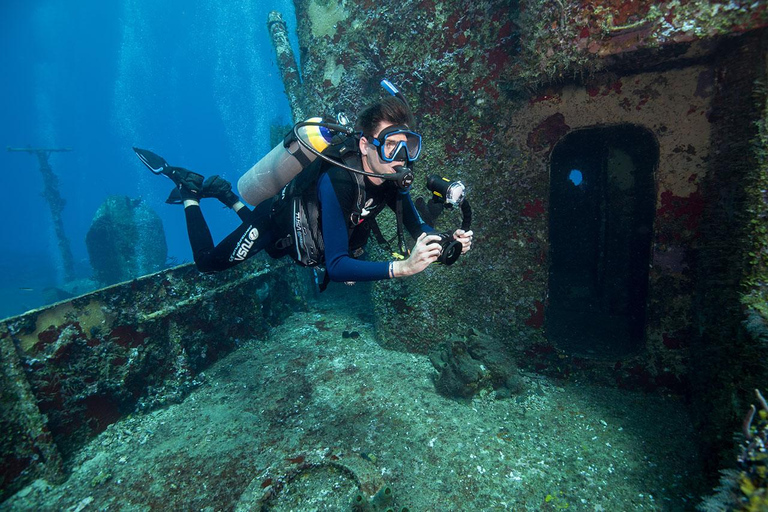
{"x":447,"y":194}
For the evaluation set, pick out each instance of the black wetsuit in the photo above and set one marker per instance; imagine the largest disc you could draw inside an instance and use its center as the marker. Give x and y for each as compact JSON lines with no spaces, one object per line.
{"x":343,"y":229}
{"x":237,"y":246}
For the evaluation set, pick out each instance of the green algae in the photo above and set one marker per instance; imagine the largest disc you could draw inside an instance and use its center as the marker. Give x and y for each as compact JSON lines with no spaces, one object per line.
{"x":756,"y":284}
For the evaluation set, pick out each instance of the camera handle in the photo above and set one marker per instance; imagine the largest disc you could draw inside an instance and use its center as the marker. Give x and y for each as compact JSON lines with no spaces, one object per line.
{"x":466,"y":215}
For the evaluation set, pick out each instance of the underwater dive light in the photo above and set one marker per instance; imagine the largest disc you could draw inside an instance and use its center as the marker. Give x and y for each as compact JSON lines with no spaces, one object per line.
{"x":445,"y":190}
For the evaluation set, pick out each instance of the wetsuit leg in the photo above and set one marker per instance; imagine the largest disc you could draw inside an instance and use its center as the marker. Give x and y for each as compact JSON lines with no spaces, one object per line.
{"x":253,"y":235}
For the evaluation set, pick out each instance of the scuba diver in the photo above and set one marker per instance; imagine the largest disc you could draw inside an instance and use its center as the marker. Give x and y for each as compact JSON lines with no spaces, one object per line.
{"x":325,"y":214}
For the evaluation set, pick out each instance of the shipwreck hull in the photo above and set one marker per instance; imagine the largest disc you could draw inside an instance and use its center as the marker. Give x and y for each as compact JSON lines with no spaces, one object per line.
{"x":69,"y":370}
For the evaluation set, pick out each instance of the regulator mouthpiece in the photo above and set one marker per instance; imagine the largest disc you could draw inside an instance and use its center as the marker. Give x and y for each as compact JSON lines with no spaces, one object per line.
{"x":403,"y":177}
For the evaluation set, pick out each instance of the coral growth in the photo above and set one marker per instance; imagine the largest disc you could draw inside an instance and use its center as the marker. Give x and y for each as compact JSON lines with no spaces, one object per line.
{"x":756,"y":295}
{"x":566,"y":38}
{"x":746,"y":488}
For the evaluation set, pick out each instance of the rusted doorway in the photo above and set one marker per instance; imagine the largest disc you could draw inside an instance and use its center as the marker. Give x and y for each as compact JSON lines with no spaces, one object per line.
{"x":602,"y":200}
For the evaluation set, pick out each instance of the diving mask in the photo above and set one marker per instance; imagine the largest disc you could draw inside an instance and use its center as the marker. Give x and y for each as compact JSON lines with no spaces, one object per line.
{"x":398,"y":143}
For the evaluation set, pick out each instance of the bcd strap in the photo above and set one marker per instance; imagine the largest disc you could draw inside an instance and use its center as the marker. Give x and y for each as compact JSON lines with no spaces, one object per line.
{"x":326,"y":281}
{"x":377,"y":233}
{"x":400,"y":236}
{"x":357,"y":212}
{"x":293,"y":146}
{"x":399,"y":215}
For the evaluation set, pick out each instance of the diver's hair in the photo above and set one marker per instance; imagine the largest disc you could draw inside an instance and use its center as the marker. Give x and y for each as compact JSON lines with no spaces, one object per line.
{"x":391,"y":110}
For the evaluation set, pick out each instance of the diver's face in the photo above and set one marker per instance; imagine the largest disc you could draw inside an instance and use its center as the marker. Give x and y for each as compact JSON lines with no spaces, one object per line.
{"x":372,"y":162}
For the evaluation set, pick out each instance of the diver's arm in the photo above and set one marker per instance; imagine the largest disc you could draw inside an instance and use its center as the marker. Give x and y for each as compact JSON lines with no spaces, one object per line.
{"x":411,"y":218}
{"x":338,"y":263}
{"x":425,"y":252}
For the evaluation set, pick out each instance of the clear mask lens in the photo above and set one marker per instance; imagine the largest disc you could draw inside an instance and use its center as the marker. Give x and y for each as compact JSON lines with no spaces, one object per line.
{"x":398,"y":144}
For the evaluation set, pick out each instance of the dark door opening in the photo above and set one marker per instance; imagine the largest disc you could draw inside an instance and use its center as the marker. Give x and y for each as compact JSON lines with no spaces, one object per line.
{"x":602,"y":203}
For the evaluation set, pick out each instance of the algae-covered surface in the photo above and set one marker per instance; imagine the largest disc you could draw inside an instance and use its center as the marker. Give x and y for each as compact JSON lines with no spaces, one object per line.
{"x":318,"y":415}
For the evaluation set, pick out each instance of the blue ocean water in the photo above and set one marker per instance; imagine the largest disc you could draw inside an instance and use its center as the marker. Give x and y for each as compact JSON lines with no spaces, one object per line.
{"x":195,"y":82}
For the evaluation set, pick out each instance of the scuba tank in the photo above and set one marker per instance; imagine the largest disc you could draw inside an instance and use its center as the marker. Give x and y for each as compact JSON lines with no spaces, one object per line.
{"x":301,"y":147}
{"x":284,"y":162}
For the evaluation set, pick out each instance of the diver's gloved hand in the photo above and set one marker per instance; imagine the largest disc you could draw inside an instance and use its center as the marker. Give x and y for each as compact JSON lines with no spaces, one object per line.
{"x":221,"y":189}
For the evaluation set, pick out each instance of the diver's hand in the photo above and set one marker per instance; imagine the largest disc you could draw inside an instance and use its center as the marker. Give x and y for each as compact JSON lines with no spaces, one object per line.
{"x":424,"y":253}
{"x":465,"y":238}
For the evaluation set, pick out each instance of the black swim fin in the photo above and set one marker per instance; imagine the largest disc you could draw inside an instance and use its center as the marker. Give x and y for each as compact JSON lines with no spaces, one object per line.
{"x":175,"y":197}
{"x":155,"y":163}
{"x":188,"y":182}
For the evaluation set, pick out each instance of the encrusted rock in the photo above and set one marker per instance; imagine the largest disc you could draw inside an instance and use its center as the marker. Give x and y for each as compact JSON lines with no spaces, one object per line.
{"x":476,"y":362}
